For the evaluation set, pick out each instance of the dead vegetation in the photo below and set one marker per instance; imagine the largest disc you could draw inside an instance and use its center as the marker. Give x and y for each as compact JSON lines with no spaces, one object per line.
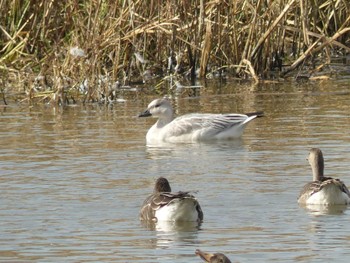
{"x":59,"y":51}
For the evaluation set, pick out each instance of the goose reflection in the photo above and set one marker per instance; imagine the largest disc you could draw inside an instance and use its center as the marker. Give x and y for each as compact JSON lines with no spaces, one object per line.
{"x":166,"y":150}
{"x":313,"y":209}
{"x":169,"y":233}
{"x":171,"y":226}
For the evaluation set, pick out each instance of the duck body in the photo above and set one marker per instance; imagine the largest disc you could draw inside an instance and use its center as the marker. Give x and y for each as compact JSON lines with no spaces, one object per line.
{"x":323,"y":190}
{"x":164,"y":205}
{"x":193,"y":127}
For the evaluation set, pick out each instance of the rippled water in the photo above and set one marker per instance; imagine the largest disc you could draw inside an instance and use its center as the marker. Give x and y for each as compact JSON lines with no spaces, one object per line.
{"x":72,"y":179}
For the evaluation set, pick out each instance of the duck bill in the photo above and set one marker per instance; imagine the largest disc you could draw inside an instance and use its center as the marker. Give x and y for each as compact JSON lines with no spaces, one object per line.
{"x":146,"y":113}
{"x":203,"y":255}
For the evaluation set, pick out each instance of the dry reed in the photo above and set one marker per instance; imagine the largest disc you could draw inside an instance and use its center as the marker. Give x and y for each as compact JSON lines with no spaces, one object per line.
{"x":57,"y":51}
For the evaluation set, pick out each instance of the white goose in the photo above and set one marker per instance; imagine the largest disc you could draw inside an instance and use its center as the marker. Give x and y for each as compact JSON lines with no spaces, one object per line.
{"x":163,"y":205}
{"x":322,"y":190}
{"x":193,"y":127}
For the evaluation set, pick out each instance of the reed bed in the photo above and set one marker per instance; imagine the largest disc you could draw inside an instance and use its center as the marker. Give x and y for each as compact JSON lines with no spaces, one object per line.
{"x":60,"y":51}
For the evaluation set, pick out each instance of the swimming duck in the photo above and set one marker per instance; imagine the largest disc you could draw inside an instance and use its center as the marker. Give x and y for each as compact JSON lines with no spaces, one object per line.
{"x":163,"y":205}
{"x":322,"y":190}
{"x":193,"y":127}
{"x":212,"y":258}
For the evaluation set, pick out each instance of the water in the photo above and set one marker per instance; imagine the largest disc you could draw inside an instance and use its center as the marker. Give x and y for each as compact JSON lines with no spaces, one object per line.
{"x":72,"y":180}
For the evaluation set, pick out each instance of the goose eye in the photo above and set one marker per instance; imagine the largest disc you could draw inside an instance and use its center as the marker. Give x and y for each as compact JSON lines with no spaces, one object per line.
{"x":157,"y":105}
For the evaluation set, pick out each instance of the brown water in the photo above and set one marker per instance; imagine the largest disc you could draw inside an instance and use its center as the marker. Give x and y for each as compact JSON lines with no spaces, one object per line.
{"x":72,"y":179}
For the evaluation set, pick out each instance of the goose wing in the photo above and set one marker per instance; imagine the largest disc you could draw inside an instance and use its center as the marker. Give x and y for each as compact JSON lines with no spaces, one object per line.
{"x":341,"y":186}
{"x":210,"y":124}
{"x":313,"y":187}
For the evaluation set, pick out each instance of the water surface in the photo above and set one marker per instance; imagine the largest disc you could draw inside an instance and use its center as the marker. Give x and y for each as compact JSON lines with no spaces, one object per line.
{"x":72,"y":179}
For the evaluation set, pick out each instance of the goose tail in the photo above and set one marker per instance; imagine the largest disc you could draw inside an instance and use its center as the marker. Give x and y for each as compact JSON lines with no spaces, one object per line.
{"x":257,"y":114}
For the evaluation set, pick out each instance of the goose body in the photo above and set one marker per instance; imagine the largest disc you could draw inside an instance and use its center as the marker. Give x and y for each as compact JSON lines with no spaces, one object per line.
{"x":322,"y":190}
{"x":193,"y":127}
{"x":164,"y":205}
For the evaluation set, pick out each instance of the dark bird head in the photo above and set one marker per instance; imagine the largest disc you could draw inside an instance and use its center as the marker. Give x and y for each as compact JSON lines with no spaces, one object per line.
{"x":162,"y":185}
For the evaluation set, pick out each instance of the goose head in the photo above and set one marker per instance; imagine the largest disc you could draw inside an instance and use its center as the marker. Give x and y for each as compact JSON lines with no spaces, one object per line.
{"x":159,"y":108}
{"x":212,"y":258}
{"x":162,"y":185}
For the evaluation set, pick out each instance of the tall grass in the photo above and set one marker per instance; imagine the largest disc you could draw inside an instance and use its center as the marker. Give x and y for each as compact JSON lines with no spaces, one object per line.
{"x":130,"y":41}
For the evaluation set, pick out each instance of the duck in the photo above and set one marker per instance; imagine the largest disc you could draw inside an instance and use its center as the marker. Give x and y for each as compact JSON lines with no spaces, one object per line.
{"x":193,"y":127}
{"x":165,"y":205}
{"x":212,"y":258}
{"x":322,"y":190}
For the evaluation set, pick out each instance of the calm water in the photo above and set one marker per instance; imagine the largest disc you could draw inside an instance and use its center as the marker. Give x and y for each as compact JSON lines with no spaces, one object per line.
{"x":72,"y":180}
